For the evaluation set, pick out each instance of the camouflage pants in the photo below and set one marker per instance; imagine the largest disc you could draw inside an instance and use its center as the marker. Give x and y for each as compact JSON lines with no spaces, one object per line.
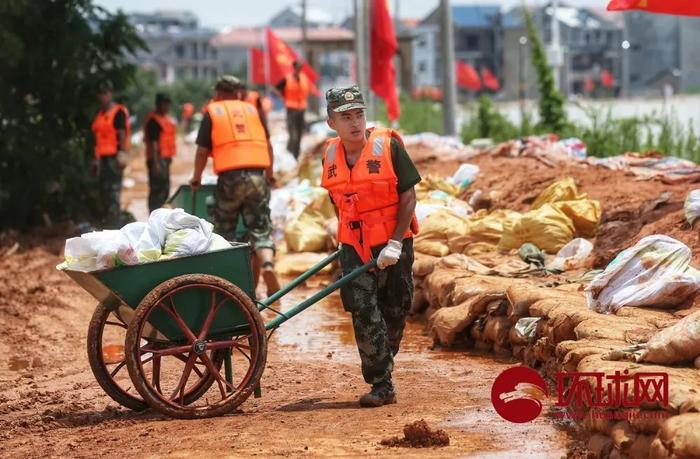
{"x":158,"y":184}
{"x":110,"y":181}
{"x":245,"y":193}
{"x":378,"y":301}
{"x":295,"y":127}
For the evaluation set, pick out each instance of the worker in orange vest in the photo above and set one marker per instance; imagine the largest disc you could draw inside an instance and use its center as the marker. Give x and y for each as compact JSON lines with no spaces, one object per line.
{"x":159,"y":135}
{"x":371,"y":180}
{"x":294,"y":89}
{"x":232,"y":132}
{"x":187,"y":114}
{"x":112,"y":133}
{"x":253,"y":98}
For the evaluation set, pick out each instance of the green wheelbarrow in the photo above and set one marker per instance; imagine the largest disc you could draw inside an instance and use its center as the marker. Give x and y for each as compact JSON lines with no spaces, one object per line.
{"x":199,"y":203}
{"x":194,"y":339}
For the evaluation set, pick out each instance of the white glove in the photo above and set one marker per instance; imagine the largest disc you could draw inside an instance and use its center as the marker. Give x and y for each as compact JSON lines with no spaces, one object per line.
{"x":389,"y":254}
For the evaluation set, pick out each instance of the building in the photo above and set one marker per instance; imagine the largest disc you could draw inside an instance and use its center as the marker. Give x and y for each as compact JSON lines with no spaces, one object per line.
{"x":663,"y":51}
{"x":591,"y":42}
{"x":291,"y":17}
{"x":177,"y":47}
{"x":477,"y":39}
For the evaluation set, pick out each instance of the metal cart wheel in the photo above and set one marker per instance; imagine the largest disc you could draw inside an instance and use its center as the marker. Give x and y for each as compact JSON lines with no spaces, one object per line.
{"x":108,"y":363}
{"x":201,"y":299}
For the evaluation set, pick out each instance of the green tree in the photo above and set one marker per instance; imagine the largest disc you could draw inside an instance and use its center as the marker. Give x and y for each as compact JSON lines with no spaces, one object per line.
{"x":53,"y":57}
{"x":551,"y":102}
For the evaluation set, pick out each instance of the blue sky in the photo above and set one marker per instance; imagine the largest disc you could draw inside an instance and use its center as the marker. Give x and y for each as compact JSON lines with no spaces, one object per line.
{"x":231,"y":13}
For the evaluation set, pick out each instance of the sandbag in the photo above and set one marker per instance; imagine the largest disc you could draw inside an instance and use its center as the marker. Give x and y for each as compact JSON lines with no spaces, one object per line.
{"x":423,"y":264}
{"x":571,"y":352}
{"x":522,"y":295}
{"x":597,"y":424}
{"x":496,"y":330}
{"x":584,"y":213}
{"x":678,"y":343}
{"x":307,"y":232}
{"x":599,"y":445}
{"x":436,"y":230}
{"x":463,"y":262}
{"x":648,"y":422}
{"x":420,"y":302}
{"x":604,"y":328}
{"x":446,"y":323}
{"x":546,"y":227}
{"x":467,"y":287}
{"x":654,"y":272}
{"x":562,"y":190}
{"x":640,"y":446}
{"x":679,"y":437}
{"x":294,"y":264}
{"x":483,"y":230}
{"x":622,"y":435}
{"x":440,"y":284}
{"x":691,"y":207}
{"x":574,"y":255}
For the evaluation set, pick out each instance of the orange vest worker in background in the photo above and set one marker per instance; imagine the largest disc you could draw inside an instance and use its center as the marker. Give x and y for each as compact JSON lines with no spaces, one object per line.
{"x":294,"y":89}
{"x":371,"y":180}
{"x":187,"y":114}
{"x":235,"y":135}
{"x":160,"y":137}
{"x":112,"y":133}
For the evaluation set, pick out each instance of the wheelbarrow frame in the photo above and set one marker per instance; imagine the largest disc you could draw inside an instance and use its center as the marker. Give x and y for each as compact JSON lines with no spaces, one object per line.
{"x":127,"y":286}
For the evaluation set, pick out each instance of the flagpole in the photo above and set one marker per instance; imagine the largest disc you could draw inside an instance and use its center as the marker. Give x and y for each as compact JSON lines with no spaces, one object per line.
{"x":266,"y":62}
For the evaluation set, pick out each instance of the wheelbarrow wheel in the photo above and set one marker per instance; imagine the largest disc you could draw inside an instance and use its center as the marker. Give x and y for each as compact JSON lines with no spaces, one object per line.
{"x":191,"y":306}
{"x":108,"y":362}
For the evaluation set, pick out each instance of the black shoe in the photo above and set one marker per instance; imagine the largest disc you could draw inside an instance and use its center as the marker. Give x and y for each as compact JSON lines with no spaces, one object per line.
{"x":381,"y":394}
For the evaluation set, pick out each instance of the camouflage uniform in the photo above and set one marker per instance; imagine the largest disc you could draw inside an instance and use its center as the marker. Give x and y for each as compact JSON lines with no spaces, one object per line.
{"x":245,"y":192}
{"x":378,"y":301}
{"x":110,"y":179}
{"x":158,"y":184}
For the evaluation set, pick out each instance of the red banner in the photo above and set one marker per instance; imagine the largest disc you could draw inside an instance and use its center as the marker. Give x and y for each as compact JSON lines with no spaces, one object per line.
{"x":467,"y":77}
{"x":490,"y":81}
{"x":607,"y":80}
{"x":281,"y":56}
{"x":677,"y":7}
{"x":256,"y":66}
{"x":384,"y":46}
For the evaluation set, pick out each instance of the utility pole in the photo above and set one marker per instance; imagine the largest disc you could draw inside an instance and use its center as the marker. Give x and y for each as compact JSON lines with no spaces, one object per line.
{"x":304,"y":42}
{"x":449,"y":88}
{"x":366,"y":36}
{"x":555,"y":50}
{"x":361,"y":48}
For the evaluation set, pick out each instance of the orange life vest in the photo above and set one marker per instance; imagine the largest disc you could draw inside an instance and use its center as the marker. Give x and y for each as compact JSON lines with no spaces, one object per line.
{"x":166,"y":142}
{"x":366,"y":196}
{"x":106,"y":142}
{"x":296,"y":92}
{"x":237,"y":136}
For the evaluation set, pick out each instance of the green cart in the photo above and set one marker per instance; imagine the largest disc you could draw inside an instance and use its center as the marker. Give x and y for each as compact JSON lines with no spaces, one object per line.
{"x":194,"y":340}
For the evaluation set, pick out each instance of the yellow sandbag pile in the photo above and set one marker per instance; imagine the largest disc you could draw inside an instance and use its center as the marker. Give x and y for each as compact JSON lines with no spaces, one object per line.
{"x":547,"y":227}
{"x":310,"y":228}
{"x":437,"y":230}
{"x":483,"y":231}
{"x":679,"y":437}
{"x":584,"y":213}
{"x":435,"y":183}
{"x":562,"y":190}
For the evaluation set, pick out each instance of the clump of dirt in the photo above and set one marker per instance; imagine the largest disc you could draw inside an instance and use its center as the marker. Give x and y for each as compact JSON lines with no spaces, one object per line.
{"x":418,"y":434}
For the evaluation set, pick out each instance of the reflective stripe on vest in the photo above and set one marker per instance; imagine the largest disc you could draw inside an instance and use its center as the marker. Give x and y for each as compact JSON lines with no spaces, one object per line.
{"x":167,"y":140}
{"x":366,"y":196}
{"x":238,"y":137}
{"x":106,"y":140}
{"x":296,"y":92}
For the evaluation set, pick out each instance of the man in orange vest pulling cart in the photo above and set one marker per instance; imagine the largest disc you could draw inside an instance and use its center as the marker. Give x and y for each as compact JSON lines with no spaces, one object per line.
{"x":371,"y":180}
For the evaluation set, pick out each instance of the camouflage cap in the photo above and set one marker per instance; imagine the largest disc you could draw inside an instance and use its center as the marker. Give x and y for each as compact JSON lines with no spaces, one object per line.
{"x":228,"y":83}
{"x":344,"y":99}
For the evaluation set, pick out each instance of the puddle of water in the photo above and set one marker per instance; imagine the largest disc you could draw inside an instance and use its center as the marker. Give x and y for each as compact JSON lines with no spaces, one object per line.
{"x":18,"y":364}
{"x":113,"y":353}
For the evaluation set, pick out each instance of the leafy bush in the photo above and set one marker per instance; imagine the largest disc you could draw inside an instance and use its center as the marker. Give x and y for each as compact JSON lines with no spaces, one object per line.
{"x":53,"y":57}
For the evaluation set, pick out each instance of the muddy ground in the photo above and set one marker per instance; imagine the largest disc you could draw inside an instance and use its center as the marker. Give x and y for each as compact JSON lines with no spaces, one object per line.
{"x":50,"y":404}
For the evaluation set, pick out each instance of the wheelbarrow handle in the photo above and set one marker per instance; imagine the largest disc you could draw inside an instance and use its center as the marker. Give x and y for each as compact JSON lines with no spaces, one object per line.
{"x":315,"y":298}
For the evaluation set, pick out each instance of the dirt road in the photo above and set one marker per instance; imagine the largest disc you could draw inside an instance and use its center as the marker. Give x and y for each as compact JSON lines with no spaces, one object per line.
{"x":51,"y":406}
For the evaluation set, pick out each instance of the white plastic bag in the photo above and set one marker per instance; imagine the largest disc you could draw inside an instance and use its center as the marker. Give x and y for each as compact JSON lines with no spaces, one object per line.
{"x":183,"y":234}
{"x":99,"y":250}
{"x":656,"y":272}
{"x":692,"y":206}
{"x":218,"y":243}
{"x":572,"y":256}
{"x":184,"y":242}
{"x":465,"y":175}
{"x":145,"y":240}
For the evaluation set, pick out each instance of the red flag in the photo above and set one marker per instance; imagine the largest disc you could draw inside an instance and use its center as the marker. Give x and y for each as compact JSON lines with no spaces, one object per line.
{"x":607,"y":80}
{"x":384,"y":46}
{"x":588,"y":85}
{"x":467,"y":77}
{"x":490,"y":80}
{"x":256,"y":66}
{"x":281,"y":57}
{"x":678,"y":7}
